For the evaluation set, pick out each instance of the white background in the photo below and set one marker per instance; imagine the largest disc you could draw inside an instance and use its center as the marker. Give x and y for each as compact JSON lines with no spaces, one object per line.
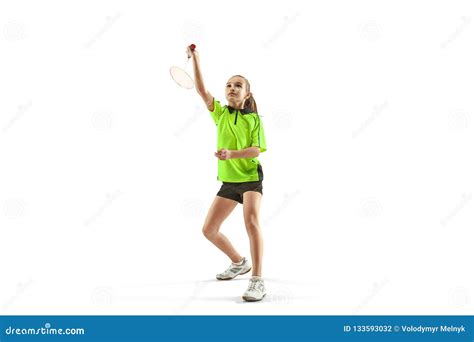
{"x":107,"y":167}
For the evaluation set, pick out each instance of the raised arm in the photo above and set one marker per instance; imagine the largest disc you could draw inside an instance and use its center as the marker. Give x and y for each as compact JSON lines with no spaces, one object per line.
{"x":198,"y":81}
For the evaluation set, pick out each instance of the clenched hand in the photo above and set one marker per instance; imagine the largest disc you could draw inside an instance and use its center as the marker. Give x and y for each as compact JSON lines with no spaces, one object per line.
{"x":223,"y":154}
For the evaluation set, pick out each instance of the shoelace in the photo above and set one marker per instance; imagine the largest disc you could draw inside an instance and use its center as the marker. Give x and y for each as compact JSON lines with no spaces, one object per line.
{"x":253,"y":285}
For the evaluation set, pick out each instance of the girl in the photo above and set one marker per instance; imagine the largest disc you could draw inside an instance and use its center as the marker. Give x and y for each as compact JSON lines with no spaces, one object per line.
{"x":240,"y":139}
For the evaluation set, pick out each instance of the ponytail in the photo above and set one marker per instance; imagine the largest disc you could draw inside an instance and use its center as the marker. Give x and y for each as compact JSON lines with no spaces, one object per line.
{"x":250,"y":104}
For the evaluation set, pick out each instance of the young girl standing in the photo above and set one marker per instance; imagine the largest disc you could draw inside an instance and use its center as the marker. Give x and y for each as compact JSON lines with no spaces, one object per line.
{"x":240,"y":139}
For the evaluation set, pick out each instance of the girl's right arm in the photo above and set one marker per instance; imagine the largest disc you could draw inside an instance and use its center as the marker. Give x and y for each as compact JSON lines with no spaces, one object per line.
{"x":198,"y":82}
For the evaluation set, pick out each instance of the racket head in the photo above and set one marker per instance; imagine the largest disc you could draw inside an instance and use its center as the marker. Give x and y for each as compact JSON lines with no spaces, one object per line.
{"x":181,"y":77}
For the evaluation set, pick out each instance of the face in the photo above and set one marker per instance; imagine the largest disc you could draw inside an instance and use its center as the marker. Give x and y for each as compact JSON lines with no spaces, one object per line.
{"x":236,"y":91}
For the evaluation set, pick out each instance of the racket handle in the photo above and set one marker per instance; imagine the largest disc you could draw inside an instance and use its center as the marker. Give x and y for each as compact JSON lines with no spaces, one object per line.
{"x":191,"y":47}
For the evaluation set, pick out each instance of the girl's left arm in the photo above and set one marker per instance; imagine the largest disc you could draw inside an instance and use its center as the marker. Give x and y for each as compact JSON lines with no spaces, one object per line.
{"x":249,"y":152}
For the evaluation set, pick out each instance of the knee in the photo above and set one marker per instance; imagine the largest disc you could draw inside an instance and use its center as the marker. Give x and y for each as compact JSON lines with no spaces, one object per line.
{"x":210,"y":232}
{"x":251,"y":223}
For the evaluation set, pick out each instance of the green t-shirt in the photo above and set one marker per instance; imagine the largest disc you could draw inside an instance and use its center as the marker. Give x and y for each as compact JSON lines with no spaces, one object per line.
{"x":236,"y":130}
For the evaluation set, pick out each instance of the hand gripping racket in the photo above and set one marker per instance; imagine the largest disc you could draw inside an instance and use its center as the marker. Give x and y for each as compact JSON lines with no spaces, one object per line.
{"x":180,"y":76}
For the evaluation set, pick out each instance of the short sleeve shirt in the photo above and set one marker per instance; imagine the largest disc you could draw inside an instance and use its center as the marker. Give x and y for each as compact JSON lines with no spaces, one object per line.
{"x":236,"y":130}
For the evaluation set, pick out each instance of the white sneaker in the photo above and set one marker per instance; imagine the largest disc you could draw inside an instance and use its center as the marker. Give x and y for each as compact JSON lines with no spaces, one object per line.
{"x":256,"y":290}
{"x":234,"y":270}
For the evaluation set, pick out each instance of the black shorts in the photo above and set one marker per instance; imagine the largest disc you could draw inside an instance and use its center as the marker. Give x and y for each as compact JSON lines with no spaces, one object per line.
{"x":235,"y":191}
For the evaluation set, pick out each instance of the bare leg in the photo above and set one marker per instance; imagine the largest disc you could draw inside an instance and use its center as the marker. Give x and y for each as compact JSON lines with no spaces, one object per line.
{"x":252,"y":201}
{"x":218,"y":212}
